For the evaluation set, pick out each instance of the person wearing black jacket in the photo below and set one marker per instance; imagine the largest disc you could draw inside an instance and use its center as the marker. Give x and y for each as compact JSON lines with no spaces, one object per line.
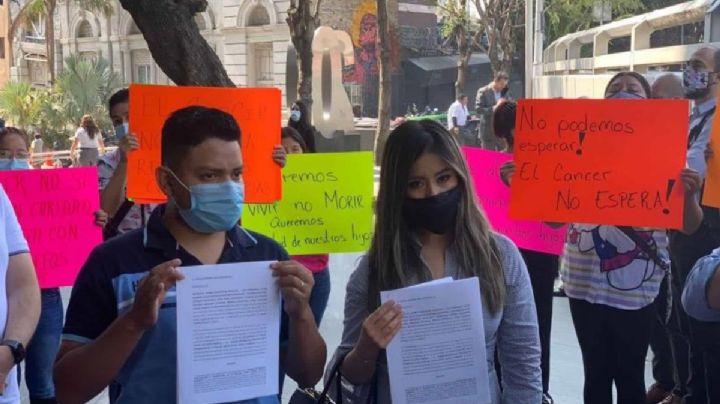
{"x":300,"y":121}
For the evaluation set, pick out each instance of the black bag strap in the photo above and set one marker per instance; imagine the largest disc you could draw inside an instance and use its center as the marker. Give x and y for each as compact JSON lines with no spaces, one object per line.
{"x":697,"y":129}
{"x":336,"y":377}
{"x":644,"y":246}
{"x":111,"y":229}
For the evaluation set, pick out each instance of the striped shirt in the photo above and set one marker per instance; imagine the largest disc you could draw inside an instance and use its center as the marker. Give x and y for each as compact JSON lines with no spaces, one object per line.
{"x":602,"y":265}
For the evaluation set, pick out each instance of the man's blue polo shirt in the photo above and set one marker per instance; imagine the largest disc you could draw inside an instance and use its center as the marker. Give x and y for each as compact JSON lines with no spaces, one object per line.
{"x":105,"y":289}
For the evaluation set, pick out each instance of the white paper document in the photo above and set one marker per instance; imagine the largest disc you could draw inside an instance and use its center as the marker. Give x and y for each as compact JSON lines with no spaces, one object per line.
{"x":439,"y":354}
{"x":228,"y":333}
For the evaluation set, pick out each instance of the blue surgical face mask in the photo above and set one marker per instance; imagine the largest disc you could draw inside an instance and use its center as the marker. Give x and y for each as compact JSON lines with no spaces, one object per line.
{"x":295,"y":115}
{"x":626,"y":95}
{"x":121,"y":131}
{"x":14,"y":164}
{"x":214,"y":207}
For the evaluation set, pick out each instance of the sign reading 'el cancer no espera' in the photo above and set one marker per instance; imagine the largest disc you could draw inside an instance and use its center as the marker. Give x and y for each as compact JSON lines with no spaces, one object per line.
{"x":327,"y":205}
{"x":614,"y":162}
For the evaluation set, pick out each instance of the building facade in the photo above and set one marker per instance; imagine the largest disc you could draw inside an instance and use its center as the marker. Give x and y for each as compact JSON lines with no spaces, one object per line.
{"x":251,"y":38}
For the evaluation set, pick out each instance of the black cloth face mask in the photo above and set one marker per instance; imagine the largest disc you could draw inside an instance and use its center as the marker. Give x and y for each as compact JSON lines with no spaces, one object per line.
{"x":436,"y":214}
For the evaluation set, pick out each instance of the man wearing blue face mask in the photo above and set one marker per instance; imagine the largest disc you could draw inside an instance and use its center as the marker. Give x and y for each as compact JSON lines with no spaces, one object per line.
{"x":121,"y":322}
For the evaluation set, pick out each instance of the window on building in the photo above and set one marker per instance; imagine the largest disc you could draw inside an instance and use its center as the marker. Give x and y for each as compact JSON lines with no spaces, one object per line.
{"x":263,"y":64}
{"x":134,"y":30}
{"x":84,"y":30}
{"x":258,"y":16}
{"x":142,"y":73}
{"x":2,"y":48}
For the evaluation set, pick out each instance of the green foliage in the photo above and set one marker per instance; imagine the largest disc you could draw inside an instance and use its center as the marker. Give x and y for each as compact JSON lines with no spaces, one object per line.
{"x":85,"y":86}
{"x":567,"y":16}
{"x":456,"y":19}
{"x":19,"y":104}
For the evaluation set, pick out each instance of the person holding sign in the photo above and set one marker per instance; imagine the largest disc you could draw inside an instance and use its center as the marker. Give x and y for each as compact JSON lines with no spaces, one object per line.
{"x":612,"y":275}
{"x":696,"y":381}
{"x":43,"y":346}
{"x":293,"y":143}
{"x":121,"y":328}
{"x":429,"y":226}
{"x":112,"y":172}
{"x":542,"y":267}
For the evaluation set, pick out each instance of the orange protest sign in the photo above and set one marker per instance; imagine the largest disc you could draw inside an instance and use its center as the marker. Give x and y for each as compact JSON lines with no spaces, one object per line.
{"x":614,"y":162}
{"x":256,"y":110}
{"x":711,"y":193}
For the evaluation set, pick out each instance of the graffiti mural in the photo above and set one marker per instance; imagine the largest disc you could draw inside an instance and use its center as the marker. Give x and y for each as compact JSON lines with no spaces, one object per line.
{"x":364,"y":71}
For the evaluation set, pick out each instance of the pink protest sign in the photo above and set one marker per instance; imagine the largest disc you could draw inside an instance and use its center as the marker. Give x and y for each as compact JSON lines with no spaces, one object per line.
{"x":55,"y":209}
{"x":495,"y":199}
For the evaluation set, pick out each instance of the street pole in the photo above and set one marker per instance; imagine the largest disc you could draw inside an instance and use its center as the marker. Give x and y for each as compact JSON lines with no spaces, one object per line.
{"x":529,"y":47}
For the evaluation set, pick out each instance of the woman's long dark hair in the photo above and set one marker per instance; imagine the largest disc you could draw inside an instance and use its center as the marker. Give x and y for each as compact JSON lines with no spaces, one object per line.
{"x":288,"y":132}
{"x":392,"y":258}
{"x":88,"y":124}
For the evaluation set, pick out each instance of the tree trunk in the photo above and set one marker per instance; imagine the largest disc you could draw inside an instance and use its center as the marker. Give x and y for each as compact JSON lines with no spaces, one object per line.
{"x":383,"y":125}
{"x":175,"y":42}
{"x":303,"y":22}
{"x":50,"y":37}
{"x":464,"y":53}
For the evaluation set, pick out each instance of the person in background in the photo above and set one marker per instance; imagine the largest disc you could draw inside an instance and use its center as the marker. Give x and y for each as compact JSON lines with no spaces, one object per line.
{"x":701,"y":297}
{"x":612,"y":293}
{"x":19,"y":298}
{"x":112,"y":172}
{"x":457,"y":118}
{"x":487,"y":99}
{"x":132,"y":348}
{"x":667,"y":86}
{"x":37,"y":148}
{"x":293,"y":143}
{"x":542,"y":267}
{"x":89,"y":138}
{"x":429,"y":226}
{"x":697,"y":368}
{"x":300,"y":121}
{"x":43,"y":346}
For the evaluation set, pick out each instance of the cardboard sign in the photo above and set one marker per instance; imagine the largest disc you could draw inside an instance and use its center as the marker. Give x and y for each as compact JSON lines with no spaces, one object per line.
{"x":613,"y":162}
{"x":326,"y":206}
{"x":711,"y":193}
{"x":494,"y":197}
{"x":256,"y":110}
{"x":56,"y":210}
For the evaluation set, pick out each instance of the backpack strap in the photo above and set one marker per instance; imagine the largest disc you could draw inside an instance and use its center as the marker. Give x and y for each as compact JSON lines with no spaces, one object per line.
{"x":644,"y":246}
{"x":111,"y":229}
{"x":697,"y":129}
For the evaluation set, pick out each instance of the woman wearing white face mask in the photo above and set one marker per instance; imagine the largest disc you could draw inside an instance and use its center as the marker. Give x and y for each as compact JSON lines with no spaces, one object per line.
{"x":44,"y":345}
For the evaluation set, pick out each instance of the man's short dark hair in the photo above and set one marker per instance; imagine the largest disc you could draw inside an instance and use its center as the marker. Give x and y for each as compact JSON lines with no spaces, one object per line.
{"x":119,"y":97}
{"x":188,"y":127}
{"x":501,"y":75}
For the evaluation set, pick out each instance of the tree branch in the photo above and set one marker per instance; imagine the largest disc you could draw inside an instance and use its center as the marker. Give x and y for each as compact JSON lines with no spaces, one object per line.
{"x":175,"y":42}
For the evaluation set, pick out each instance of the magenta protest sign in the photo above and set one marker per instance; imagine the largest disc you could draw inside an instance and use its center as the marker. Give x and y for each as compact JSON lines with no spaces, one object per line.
{"x":494,"y":197}
{"x":55,"y":209}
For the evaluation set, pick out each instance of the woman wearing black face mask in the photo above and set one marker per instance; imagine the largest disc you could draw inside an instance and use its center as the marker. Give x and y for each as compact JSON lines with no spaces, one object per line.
{"x":429,"y":226}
